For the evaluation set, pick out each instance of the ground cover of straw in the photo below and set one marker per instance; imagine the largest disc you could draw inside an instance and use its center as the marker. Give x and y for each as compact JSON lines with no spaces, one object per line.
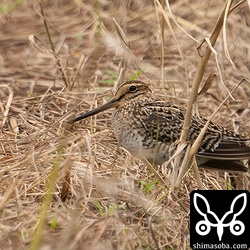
{"x":102,"y":198}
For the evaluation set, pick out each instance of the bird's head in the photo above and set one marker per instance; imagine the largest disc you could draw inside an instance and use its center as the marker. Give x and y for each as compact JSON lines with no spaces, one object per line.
{"x":127,"y":92}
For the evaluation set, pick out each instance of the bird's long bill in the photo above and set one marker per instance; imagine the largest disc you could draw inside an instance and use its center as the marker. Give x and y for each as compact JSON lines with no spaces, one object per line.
{"x":106,"y":106}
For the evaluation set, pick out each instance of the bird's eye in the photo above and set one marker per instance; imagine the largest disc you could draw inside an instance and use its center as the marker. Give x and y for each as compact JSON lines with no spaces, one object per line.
{"x":132,"y":88}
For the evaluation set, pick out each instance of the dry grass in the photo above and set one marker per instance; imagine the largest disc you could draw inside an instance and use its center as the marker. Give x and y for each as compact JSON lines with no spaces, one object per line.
{"x":74,"y":188}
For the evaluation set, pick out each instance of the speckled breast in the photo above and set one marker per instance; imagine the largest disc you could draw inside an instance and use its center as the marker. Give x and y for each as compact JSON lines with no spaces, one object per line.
{"x":131,"y":135}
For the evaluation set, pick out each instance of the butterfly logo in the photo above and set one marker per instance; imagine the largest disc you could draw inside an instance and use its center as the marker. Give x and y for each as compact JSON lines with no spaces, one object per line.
{"x":203,"y":227}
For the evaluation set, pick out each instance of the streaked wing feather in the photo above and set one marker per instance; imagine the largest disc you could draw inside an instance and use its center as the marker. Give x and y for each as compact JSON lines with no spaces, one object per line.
{"x":220,"y":149}
{"x":223,"y":165}
{"x":228,"y":150}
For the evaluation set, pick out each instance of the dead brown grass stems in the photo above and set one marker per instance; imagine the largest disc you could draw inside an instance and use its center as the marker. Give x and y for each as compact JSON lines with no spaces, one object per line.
{"x":47,"y":199}
{"x":203,"y":58}
{"x":110,"y":200}
{"x":59,"y":63}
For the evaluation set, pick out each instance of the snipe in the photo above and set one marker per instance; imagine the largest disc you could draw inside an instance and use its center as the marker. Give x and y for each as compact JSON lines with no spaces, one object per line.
{"x":148,"y":127}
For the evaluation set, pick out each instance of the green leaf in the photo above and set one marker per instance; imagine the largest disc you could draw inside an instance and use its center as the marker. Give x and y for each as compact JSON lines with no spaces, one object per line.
{"x":53,"y":223}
